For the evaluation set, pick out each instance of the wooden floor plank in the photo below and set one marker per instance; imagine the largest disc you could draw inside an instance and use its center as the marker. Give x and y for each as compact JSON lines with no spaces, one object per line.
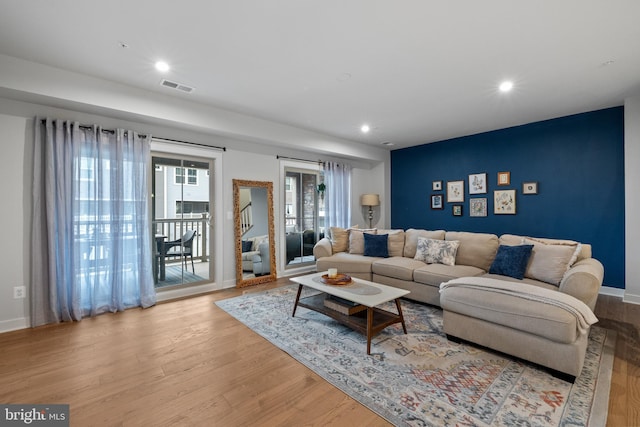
{"x":189,"y":363}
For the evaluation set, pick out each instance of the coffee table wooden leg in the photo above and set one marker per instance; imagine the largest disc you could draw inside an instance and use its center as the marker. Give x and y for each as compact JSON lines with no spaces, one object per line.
{"x":404,"y":327}
{"x":295,"y":305}
{"x":369,"y":328}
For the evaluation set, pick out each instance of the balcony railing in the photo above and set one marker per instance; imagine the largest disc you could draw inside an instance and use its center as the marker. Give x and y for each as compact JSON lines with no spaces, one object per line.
{"x":174,"y":228}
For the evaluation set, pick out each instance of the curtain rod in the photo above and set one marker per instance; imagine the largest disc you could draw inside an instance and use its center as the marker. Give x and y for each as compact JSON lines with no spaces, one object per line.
{"x":300,"y":160}
{"x":111,"y":131}
{"x":192,"y":143}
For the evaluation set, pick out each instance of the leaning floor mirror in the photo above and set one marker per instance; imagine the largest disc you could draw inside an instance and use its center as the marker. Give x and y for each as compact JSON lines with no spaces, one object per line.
{"x":254,"y":232}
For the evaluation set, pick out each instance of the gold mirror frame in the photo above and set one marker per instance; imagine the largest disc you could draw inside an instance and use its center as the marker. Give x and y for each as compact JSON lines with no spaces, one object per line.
{"x":240,"y":280}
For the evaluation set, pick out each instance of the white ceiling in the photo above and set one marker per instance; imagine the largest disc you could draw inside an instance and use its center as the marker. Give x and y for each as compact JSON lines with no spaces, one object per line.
{"x":416,"y":70}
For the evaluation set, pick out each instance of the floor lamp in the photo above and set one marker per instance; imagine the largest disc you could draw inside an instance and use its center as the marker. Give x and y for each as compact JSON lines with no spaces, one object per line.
{"x":370,"y":200}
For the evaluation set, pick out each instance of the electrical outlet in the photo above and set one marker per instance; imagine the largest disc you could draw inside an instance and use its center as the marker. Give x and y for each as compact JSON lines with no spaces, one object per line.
{"x":19,"y":292}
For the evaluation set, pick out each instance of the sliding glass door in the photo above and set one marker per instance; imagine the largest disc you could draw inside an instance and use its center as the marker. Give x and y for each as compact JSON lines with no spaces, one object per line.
{"x":182,"y":194}
{"x":304,"y":215}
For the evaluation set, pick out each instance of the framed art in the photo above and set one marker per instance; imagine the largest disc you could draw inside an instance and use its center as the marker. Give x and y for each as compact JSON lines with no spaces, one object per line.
{"x":478,"y":206}
{"x":456,"y":210}
{"x":436,"y":201}
{"x":504,"y":178}
{"x":504,"y":202}
{"x":529,"y":188}
{"x":436,"y":185}
{"x":478,"y":183}
{"x":455,"y":191}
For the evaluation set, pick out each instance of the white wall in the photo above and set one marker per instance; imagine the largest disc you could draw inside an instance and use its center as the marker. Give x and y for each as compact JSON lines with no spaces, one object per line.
{"x":371,"y":181}
{"x":242,"y":160}
{"x":632,"y":198}
{"x":14,"y":218}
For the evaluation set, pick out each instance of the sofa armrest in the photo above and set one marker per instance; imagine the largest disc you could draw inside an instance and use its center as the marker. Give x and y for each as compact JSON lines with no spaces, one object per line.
{"x":323,"y":248}
{"x":583,"y":281}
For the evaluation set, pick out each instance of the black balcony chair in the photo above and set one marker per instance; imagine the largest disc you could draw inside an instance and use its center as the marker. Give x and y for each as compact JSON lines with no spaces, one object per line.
{"x":182,"y":248}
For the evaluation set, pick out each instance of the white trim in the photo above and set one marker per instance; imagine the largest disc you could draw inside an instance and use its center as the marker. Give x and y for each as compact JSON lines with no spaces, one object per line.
{"x":631,"y":298}
{"x":217,"y":213}
{"x":189,"y":291}
{"x":614,"y":292}
{"x":304,"y":167}
{"x":14,"y":324}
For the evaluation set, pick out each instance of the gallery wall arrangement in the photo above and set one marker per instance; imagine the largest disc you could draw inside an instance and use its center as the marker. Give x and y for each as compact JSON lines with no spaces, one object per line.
{"x":561,"y":178}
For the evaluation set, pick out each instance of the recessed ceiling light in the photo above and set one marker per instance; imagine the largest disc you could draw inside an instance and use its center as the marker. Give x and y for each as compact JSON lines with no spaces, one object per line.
{"x":506,"y":86}
{"x":365,"y":128}
{"x":388,"y":143}
{"x":162,"y":66}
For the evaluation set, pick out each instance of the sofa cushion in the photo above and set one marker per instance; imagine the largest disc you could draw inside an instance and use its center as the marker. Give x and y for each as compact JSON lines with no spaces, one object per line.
{"x":549,"y":262}
{"x":411,"y":239}
{"x":397,"y":267}
{"x":396,"y":241}
{"x":534,"y":317}
{"x":534,"y":282}
{"x":434,"y":274}
{"x":436,"y":251}
{"x":339,"y":239}
{"x":512,"y":239}
{"x":346,"y":263}
{"x":356,"y":240}
{"x":511,"y":260}
{"x":376,"y":245}
{"x":476,"y":249}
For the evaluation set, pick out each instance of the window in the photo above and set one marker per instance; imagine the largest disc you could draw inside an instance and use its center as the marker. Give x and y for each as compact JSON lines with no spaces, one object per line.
{"x":303,"y":207}
{"x":189,"y":207}
{"x":191,"y":178}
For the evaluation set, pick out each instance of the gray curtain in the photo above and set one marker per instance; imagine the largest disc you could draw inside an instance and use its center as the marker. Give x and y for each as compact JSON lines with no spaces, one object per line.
{"x":91,"y":236}
{"x":337,"y":197}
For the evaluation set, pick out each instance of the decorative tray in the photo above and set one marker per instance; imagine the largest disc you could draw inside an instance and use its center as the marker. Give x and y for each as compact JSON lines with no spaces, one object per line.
{"x":340,"y":280}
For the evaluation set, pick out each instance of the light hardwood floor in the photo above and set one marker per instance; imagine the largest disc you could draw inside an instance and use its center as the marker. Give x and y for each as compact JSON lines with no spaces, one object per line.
{"x":189,"y":363}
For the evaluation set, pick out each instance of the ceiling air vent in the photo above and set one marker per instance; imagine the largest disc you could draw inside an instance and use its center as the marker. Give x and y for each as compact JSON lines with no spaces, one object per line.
{"x":176,"y":86}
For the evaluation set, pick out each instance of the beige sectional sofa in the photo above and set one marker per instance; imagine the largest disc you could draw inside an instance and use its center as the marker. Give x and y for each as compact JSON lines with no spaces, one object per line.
{"x":545,"y":334}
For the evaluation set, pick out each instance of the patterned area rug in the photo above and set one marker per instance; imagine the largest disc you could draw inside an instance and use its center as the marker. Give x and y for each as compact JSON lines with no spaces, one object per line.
{"x":422,"y":379}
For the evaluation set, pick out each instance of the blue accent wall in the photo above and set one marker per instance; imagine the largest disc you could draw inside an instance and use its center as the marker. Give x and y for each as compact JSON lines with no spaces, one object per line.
{"x":578,"y":162}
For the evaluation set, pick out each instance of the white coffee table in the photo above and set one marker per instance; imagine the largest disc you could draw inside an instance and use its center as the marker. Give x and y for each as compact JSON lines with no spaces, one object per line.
{"x":369,"y":321}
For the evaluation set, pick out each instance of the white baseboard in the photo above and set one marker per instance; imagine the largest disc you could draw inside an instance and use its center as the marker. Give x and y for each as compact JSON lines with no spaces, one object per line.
{"x":14,"y":324}
{"x":631,"y":299}
{"x":189,"y":291}
{"x":620,"y":293}
{"x":614,"y":292}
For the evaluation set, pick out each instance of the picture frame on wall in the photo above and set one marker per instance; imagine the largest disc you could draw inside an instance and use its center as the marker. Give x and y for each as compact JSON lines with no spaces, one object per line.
{"x":478,"y":183}
{"x":456,"y":210}
{"x":455,"y":191}
{"x":436,"y":201}
{"x":478,"y":207}
{"x":530,"y":187}
{"x":504,"y":178}
{"x":436,"y":185}
{"x":504,"y":202}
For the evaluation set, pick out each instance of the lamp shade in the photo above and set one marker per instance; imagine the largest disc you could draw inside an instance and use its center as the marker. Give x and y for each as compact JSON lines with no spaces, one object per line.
{"x":369,"y":200}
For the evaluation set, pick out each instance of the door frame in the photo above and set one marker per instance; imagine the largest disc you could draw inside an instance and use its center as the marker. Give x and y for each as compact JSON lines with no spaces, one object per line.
{"x":160,"y":147}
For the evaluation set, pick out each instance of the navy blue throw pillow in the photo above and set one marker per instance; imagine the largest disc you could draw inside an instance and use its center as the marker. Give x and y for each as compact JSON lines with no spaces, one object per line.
{"x":376,"y":245}
{"x":511,"y":261}
{"x":246,"y":245}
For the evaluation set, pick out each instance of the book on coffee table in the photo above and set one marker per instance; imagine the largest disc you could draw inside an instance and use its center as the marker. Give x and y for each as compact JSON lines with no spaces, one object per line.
{"x":343,"y":306}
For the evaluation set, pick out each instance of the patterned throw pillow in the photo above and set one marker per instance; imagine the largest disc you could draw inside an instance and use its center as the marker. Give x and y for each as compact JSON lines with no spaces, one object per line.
{"x":437,"y":251}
